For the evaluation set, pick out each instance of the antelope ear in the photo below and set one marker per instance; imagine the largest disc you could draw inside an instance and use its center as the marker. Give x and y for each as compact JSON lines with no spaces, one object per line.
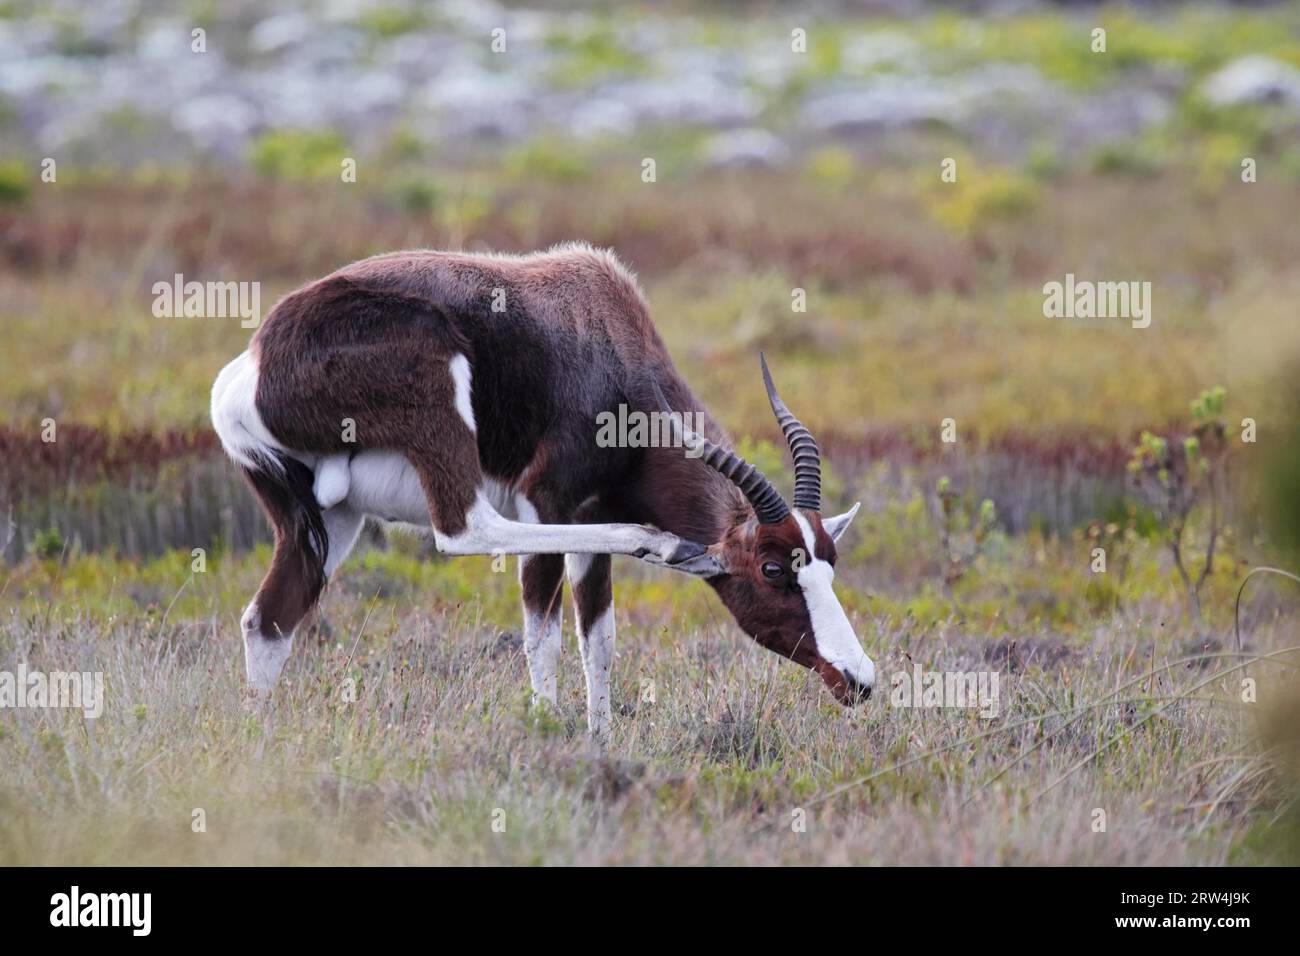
{"x":840,"y":523}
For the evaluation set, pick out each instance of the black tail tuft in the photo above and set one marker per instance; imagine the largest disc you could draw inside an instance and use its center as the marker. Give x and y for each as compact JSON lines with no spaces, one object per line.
{"x":284,"y":486}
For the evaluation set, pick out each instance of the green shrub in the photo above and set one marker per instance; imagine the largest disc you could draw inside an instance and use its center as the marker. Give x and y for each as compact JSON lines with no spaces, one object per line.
{"x":388,"y":22}
{"x":15,"y":183}
{"x":1125,"y":159}
{"x":1176,"y":475}
{"x":301,"y":155}
{"x":49,"y":545}
{"x":417,"y":195}
{"x":548,"y":160}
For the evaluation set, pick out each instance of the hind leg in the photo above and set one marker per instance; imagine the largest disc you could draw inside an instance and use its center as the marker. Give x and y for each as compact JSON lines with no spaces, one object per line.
{"x":287,"y":593}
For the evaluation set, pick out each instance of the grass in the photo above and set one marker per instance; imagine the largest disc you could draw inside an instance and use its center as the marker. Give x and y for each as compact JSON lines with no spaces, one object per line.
{"x":441,"y":741}
{"x":403,"y":730}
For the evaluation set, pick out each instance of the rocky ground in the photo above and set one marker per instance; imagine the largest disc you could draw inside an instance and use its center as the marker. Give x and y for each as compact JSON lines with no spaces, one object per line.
{"x":128,"y":83}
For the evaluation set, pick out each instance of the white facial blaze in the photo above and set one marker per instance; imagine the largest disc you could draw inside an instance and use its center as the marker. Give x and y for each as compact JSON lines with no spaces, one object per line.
{"x":836,"y":642}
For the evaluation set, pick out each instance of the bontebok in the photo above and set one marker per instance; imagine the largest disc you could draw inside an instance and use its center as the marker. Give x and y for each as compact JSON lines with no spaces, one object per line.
{"x":462,"y":393}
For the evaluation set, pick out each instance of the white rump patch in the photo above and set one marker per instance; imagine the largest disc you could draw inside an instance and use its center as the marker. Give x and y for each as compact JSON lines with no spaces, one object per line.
{"x":235,"y":418}
{"x":460,"y":375}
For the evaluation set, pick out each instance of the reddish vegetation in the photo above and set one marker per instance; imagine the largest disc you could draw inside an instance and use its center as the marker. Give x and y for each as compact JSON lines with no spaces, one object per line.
{"x":1085,"y":453}
{"x":84,"y":453}
{"x":191,"y":228}
{"x":30,"y":246}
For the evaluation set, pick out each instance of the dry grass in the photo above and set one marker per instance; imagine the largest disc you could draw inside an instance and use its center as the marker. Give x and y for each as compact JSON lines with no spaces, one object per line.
{"x":441,"y":738}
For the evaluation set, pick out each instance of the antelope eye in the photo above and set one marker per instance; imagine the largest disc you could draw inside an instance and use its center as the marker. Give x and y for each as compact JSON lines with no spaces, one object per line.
{"x":772,"y":570}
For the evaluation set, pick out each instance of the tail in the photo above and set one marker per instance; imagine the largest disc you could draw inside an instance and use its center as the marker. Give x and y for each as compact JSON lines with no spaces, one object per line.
{"x":284,"y":487}
{"x":282,"y":483}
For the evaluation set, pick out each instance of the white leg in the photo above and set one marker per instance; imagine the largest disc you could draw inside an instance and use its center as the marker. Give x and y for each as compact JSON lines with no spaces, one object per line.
{"x":543,"y":627}
{"x":597,"y":646}
{"x":489,"y":533}
{"x":264,"y":656}
{"x":540,"y":580}
{"x":594,"y":605}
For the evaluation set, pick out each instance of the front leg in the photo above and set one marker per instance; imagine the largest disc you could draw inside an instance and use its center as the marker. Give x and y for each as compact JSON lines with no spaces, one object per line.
{"x":485,"y":531}
{"x":541,"y":580}
{"x":593,"y":601}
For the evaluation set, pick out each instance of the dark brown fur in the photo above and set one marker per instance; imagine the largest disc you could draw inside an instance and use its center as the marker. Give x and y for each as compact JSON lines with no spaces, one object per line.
{"x":372,"y":343}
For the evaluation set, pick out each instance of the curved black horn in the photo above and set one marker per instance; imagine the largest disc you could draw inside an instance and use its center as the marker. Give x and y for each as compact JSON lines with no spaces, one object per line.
{"x":769,"y":506}
{"x":807,"y":457}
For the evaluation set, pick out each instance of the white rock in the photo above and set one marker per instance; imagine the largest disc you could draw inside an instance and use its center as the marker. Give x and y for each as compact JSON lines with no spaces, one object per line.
{"x":277,"y":32}
{"x":1254,"y":79}
{"x":210,"y":120}
{"x":750,"y":146}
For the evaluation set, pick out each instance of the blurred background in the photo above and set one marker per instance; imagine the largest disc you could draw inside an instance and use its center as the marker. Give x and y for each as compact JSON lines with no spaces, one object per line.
{"x":794,"y":149}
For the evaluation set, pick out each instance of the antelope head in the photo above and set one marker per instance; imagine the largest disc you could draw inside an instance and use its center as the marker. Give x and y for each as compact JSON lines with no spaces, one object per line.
{"x":775,"y":562}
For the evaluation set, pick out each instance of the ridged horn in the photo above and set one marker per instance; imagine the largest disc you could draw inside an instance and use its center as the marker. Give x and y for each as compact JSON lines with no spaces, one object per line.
{"x":769,"y":506}
{"x":807,"y":457}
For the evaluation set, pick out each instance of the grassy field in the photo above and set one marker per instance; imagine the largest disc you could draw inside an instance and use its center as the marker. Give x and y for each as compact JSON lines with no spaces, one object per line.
{"x":404,"y":733}
{"x":727,"y":755}
{"x":909,"y":320}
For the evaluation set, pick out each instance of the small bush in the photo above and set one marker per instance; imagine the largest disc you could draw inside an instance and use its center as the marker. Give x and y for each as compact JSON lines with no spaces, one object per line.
{"x":964,"y":530}
{"x":15,"y":183}
{"x":982,"y":195}
{"x":1175,"y":475}
{"x":49,"y":545}
{"x":417,"y":195}
{"x":299,"y":155}
{"x":388,"y":22}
